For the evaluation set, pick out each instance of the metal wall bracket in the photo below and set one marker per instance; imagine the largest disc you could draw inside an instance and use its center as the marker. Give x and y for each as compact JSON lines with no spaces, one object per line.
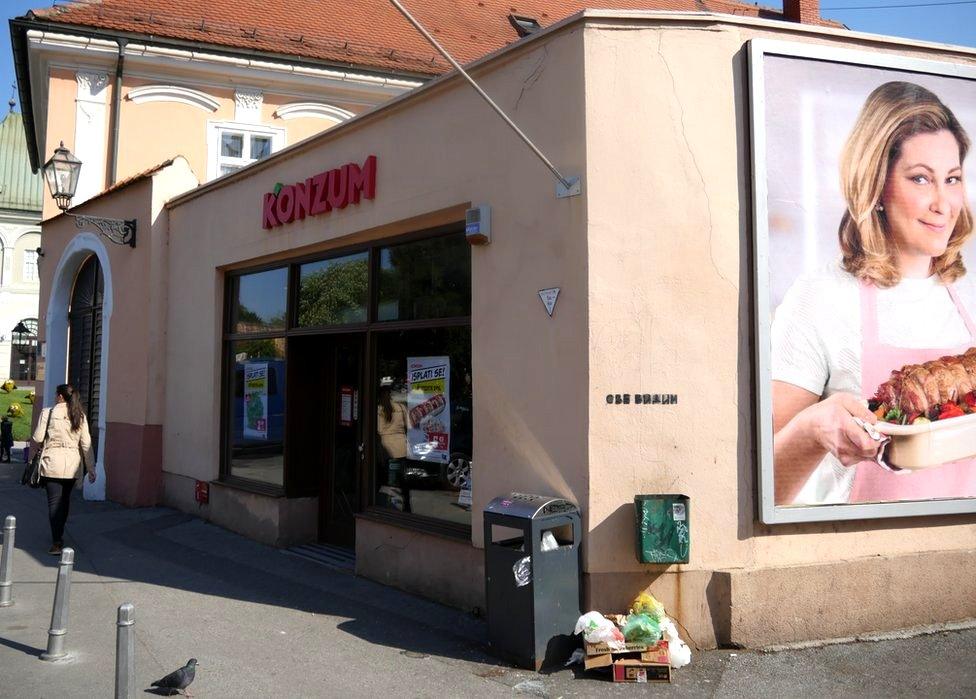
{"x":119,"y":231}
{"x":575,"y":187}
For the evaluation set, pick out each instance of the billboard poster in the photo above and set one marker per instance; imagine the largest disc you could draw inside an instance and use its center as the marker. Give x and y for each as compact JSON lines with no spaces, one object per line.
{"x":256,"y":400}
{"x":429,"y":408}
{"x":865,"y":313}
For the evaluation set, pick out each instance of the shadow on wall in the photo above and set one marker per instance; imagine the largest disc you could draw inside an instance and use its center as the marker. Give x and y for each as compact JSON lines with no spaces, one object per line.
{"x":160,"y":547}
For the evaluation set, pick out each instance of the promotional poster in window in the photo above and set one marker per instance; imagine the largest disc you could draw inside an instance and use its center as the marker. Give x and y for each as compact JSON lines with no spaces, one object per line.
{"x":429,"y":408}
{"x":866,"y":314}
{"x":256,"y":400}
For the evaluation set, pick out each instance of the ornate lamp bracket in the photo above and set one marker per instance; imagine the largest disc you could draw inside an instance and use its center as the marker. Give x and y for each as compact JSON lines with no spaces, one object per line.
{"x":119,"y":231}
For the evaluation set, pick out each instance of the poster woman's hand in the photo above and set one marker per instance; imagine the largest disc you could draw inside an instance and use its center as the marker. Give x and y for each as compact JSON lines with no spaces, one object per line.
{"x":806,"y":428}
{"x":831,"y":422}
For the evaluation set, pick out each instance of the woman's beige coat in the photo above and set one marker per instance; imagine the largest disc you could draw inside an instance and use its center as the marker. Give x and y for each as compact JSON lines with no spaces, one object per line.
{"x":61,"y":454}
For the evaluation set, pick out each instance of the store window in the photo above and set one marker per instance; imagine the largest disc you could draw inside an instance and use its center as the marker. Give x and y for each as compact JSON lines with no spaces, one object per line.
{"x":257,"y":416}
{"x":260,"y":301}
{"x":233,"y":146}
{"x":425,"y":279}
{"x":423,"y":422}
{"x":334,"y":291}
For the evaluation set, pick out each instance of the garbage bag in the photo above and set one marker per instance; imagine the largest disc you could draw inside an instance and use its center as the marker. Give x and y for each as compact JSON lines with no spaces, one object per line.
{"x":642,"y":628}
{"x":645,"y":603}
{"x":596,"y":628}
{"x":678,"y":650}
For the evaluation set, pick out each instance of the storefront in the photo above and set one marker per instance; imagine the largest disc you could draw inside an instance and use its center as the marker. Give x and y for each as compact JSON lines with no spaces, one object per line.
{"x":348,"y":379}
{"x":330,"y":358}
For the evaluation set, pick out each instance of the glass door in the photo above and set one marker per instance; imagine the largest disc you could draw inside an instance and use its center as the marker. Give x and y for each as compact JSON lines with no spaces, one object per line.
{"x":340,"y":496}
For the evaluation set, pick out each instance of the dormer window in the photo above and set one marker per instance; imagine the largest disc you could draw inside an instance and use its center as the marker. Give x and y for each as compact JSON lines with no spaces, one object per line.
{"x":524,"y":25}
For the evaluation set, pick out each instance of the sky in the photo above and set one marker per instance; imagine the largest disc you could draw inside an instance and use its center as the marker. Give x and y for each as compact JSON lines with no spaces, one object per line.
{"x":944,"y":21}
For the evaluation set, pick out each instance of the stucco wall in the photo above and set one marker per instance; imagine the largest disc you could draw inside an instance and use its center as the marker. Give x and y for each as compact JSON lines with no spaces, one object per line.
{"x":153,"y":131}
{"x":134,"y":315}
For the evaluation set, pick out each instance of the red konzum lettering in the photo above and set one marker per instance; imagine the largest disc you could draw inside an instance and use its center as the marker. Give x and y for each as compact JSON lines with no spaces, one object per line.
{"x":319,"y":194}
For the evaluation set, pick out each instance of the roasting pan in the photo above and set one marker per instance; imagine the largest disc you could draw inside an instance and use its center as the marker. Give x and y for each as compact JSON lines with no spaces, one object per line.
{"x":930,"y":444}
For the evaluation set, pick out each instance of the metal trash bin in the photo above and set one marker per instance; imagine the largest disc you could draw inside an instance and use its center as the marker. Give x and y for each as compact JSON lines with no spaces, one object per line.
{"x":532,"y":595}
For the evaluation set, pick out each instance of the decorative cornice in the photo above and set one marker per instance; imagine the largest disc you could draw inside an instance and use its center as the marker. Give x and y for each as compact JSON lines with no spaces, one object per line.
{"x":91,"y":86}
{"x":316,"y":110}
{"x":55,"y":40}
{"x":247,"y":105}
{"x":173,"y":93}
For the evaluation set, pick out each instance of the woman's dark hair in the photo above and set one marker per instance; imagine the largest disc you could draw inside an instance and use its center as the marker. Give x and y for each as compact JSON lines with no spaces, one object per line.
{"x":386,"y":403}
{"x":72,"y":402}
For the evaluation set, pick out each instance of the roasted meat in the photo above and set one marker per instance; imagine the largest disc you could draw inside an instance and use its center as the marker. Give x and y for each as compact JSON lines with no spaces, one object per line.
{"x":920,"y":389}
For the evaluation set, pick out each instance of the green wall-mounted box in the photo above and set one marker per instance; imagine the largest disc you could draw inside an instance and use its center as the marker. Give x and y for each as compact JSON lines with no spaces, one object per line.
{"x":663,"y":528}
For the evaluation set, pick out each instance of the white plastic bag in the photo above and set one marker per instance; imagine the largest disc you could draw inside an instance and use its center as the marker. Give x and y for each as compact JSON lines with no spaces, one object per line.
{"x":678,"y":651}
{"x":596,"y":628}
{"x":549,"y":542}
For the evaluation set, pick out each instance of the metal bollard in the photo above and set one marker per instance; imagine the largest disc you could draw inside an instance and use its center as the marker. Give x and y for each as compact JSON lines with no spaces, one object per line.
{"x":59,"y":615}
{"x":7,"y":561}
{"x":125,"y":653}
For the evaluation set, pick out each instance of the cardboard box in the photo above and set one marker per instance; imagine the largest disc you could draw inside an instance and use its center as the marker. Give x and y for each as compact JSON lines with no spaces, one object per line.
{"x":636,"y":670}
{"x":638,"y":662}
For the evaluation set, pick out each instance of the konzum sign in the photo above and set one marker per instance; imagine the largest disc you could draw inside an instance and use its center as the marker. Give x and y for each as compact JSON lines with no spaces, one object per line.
{"x":320,"y":194}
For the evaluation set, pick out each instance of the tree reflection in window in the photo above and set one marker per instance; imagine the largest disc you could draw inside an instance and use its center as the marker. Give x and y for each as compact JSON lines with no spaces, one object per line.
{"x":425,"y":279}
{"x":334,"y":292}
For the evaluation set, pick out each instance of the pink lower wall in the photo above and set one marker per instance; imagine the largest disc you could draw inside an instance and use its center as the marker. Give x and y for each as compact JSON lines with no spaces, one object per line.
{"x":133,"y":463}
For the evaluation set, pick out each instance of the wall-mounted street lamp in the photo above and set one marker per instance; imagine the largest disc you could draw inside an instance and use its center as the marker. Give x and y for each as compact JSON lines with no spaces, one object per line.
{"x":22,"y":334}
{"x":61,"y":173}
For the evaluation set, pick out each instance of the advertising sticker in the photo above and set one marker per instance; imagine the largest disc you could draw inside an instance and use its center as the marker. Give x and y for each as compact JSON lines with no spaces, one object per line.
{"x":429,"y":408}
{"x":256,"y":400}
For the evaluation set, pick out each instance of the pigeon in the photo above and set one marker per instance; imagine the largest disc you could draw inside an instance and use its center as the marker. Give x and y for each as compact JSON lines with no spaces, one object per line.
{"x":178,"y":680}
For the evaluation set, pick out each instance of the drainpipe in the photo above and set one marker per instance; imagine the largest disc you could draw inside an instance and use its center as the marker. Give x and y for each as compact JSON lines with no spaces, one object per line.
{"x":116,"y":101}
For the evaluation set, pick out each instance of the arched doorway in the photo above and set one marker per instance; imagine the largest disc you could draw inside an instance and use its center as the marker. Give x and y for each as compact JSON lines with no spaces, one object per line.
{"x":85,"y":338}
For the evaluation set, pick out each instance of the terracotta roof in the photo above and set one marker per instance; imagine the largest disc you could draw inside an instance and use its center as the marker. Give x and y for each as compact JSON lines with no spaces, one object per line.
{"x":366,"y":33}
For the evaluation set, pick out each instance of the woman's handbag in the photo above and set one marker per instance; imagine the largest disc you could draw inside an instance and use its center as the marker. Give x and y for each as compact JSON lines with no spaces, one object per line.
{"x":32,"y":472}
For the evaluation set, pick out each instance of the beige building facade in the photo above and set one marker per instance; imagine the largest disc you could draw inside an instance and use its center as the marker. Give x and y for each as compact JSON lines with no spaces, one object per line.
{"x":654,"y":265}
{"x":220,"y":112}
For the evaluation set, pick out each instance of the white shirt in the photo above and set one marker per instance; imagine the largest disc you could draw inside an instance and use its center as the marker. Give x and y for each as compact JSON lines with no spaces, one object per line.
{"x":816,"y":343}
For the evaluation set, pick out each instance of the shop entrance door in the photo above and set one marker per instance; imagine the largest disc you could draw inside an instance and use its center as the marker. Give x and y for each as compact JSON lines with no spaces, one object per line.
{"x":339,"y":498}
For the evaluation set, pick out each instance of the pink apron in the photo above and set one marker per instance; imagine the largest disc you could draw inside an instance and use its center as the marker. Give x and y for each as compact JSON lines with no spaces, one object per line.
{"x":872,"y":483}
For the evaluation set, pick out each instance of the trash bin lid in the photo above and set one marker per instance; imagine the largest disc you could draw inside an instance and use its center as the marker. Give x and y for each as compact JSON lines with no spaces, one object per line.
{"x":529,"y":506}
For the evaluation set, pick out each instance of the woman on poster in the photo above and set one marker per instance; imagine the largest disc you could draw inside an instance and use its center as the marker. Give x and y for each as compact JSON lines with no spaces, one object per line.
{"x":897,"y":297}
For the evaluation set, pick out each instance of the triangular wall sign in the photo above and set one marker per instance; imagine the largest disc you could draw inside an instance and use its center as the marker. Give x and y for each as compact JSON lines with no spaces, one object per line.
{"x":549,"y":297}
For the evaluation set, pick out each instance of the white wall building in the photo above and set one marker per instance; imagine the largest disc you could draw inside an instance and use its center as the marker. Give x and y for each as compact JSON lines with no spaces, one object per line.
{"x":20,"y":238}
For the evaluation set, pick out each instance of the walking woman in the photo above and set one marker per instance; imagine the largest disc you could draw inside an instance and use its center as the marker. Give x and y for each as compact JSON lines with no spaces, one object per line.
{"x":66,"y":454}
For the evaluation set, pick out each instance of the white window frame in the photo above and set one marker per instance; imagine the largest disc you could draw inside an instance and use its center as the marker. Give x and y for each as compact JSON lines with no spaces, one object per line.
{"x":216,"y":128}
{"x":29,"y":271}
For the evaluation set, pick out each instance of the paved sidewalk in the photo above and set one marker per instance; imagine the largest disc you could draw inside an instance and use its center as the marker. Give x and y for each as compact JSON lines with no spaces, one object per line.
{"x":263,"y":623}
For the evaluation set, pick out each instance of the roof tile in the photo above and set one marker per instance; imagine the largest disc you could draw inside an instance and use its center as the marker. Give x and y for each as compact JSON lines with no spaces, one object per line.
{"x":363,"y":33}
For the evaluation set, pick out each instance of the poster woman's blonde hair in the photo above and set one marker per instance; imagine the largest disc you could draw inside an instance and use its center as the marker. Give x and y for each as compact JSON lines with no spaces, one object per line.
{"x":892,"y":113}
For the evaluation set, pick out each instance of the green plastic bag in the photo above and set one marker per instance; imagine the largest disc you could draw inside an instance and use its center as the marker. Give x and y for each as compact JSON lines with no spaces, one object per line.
{"x":642,"y":628}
